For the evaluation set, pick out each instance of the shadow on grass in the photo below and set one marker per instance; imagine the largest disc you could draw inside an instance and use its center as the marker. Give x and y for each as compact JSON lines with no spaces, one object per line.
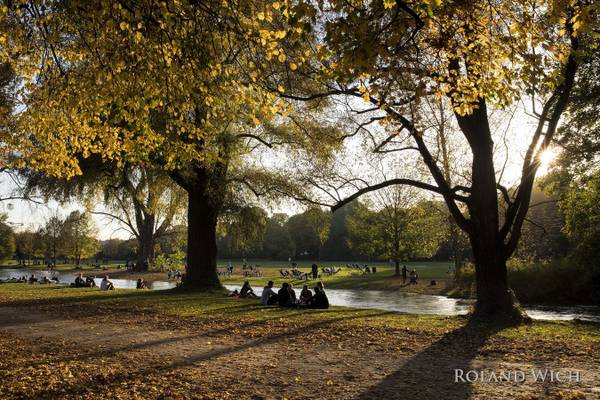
{"x":430,"y":374}
{"x":99,"y":385}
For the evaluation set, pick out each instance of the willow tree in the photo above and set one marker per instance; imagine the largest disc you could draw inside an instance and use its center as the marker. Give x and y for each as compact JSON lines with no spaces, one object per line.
{"x":171,"y":83}
{"x":143,"y":200}
{"x":474,"y":55}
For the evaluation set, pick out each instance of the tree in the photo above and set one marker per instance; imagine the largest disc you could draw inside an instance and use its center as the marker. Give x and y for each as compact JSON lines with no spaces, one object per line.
{"x":51,"y":237}
{"x":401,"y":229}
{"x":243,"y":229}
{"x":581,"y":208}
{"x":277,"y":241}
{"x":28,"y":245}
{"x":337,"y":245}
{"x":78,"y":237}
{"x":171,"y":84}
{"x":309,"y":231}
{"x":144,"y":200}
{"x":7,"y":240}
{"x":474,"y":55}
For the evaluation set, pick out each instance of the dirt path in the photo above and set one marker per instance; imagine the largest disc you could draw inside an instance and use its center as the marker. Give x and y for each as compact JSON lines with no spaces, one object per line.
{"x":43,"y":355}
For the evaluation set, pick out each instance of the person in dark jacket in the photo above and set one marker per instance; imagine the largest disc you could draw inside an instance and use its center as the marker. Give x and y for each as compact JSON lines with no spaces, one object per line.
{"x":247,"y":292}
{"x":283,"y":296}
{"x":315,"y":271}
{"x":79,"y":281}
{"x":319,"y":300}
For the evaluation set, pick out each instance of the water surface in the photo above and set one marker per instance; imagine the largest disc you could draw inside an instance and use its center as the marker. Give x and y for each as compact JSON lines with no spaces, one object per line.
{"x":387,"y":300}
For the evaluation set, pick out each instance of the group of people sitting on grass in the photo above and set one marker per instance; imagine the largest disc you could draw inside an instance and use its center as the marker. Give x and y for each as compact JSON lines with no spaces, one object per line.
{"x":174,"y":274}
{"x":31,"y":280}
{"x":286,"y":296}
{"x":89,"y":282}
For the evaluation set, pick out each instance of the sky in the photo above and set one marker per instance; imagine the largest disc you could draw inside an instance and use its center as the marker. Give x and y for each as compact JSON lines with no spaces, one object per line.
{"x":27,"y":215}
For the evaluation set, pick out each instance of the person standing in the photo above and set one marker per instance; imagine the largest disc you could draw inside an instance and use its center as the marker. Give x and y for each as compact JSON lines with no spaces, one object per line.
{"x":315,"y":271}
{"x":404,"y":271}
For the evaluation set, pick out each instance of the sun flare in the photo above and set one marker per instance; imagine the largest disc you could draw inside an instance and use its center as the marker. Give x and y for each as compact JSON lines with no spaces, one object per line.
{"x":546,"y":158}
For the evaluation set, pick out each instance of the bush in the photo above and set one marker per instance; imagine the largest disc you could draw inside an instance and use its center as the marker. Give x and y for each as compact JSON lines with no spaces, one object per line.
{"x":563,"y":281}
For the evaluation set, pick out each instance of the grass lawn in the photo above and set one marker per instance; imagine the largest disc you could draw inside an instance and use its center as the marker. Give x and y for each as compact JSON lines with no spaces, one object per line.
{"x":58,"y":342}
{"x":347,"y":278}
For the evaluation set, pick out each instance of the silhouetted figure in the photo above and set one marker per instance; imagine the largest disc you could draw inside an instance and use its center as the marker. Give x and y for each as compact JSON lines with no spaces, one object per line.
{"x":404,"y":271}
{"x":141,"y":284}
{"x":246,"y":291}
{"x":413,"y":277}
{"x":315,"y":271}
{"x":319,"y":300}
{"x":89,"y":282}
{"x":305,"y":295}
{"x":79,"y":281}
{"x":283,"y":296}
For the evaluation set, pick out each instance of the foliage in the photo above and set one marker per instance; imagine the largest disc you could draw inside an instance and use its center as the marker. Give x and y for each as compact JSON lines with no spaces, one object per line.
{"x":78,"y":237}
{"x":398,"y":231}
{"x":277,"y":242}
{"x":7,"y":240}
{"x":28,"y":245}
{"x":51,"y":237}
{"x":582,"y":213}
{"x":165,"y":262}
{"x":309,"y":231}
{"x":117,"y":249}
{"x":243,"y":229}
{"x":542,"y":235}
{"x":559,"y":281}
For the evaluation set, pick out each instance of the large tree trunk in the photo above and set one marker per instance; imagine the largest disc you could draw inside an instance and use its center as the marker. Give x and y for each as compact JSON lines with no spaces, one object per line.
{"x":145,"y":254}
{"x":493,"y":295}
{"x":203,"y":210}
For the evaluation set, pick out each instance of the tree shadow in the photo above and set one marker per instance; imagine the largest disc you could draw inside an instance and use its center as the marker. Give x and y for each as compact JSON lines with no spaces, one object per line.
{"x":92,"y":384}
{"x":430,"y":374}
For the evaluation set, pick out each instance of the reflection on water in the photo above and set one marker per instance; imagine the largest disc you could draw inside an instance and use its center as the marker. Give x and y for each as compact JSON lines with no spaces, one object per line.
{"x":412,"y":303}
{"x":67,"y":277}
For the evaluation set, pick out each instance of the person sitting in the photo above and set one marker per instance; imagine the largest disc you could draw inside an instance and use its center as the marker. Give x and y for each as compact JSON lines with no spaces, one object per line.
{"x":268,"y":297}
{"x":235,"y":293}
{"x":54,"y":279}
{"x":283,"y":296}
{"x":45,"y":280}
{"x":106,"y":284}
{"x":89,"y":282}
{"x":305,"y":295}
{"x":247,"y":292}
{"x":32,"y":279}
{"x":413,"y":277}
{"x":319,"y":300}
{"x":141,"y":284}
{"x":79,"y":282}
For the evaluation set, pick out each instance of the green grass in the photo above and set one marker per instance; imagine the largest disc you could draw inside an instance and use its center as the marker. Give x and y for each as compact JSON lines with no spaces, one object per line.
{"x":216,"y":304}
{"x":384,"y":279}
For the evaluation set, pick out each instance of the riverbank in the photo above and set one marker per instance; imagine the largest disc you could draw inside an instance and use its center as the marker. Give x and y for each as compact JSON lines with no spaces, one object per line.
{"x":82,"y":343}
{"x":383,"y":279}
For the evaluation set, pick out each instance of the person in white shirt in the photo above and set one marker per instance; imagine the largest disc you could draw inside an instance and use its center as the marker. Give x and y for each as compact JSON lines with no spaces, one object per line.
{"x":267,"y":294}
{"x":106,"y":284}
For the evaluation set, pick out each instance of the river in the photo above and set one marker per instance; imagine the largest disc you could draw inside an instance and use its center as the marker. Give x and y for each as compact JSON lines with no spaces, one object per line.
{"x":412,"y":303}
